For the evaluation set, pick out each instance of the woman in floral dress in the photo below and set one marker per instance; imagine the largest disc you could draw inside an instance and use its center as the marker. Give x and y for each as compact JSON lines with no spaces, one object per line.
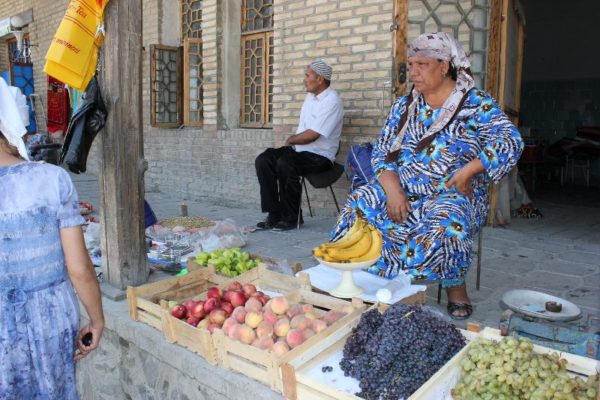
{"x":42,"y":260}
{"x":437,"y":152}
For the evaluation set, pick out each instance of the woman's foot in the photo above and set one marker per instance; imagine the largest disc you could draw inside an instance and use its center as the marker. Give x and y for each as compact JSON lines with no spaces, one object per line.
{"x":459,"y":304}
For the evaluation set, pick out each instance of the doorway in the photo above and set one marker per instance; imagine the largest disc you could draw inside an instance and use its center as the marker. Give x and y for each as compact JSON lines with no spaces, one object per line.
{"x":560,"y":111}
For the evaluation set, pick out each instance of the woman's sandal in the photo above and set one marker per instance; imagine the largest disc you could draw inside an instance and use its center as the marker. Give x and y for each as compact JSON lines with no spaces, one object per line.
{"x":453,"y":307}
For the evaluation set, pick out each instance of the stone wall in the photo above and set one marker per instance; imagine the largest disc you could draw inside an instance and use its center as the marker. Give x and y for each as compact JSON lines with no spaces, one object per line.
{"x":134,"y":361}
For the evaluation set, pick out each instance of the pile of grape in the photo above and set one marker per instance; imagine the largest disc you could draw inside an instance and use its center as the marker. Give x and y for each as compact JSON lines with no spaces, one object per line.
{"x":229,"y":262}
{"x":511,"y":369}
{"x":394,"y":353}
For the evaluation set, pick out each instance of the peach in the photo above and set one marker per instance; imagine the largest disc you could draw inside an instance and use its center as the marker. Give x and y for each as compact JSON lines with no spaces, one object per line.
{"x":211,"y":327}
{"x":279,"y":305}
{"x":234,"y":331}
{"x":264,"y":343}
{"x":280,"y":348}
{"x":294,"y":338}
{"x":237,"y":299}
{"x":281,"y":327}
{"x":214,"y":293}
{"x":228,"y":324}
{"x":239,"y":313}
{"x":247,"y":334}
{"x":311,"y":316}
{"x":253,"y":304}
{"x":269,"y":316}
{"x":264,"y":329}
{"x":308,"y":333}
{"x":248,"y":289}
{"x":299,"y":322}
{"x":253,"y":319}
{"x":306,"y":308}
{"x":217,"y":316}
{"x":295,"y":309}
{"x":331,"y":316}
{"x":318,"y":325}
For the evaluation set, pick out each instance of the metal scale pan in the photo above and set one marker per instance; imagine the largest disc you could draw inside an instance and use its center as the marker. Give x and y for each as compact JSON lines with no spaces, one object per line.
{"x":533,"y":304}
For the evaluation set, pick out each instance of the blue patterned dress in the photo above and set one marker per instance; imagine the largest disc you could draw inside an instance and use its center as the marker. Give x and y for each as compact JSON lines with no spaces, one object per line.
{"x":39,"y":311}
{"x":435,"y":241}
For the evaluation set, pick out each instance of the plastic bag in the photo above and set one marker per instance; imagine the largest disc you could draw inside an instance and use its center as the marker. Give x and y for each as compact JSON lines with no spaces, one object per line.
{"x":92,"y":238}
{"x":86,"y":122}
{"x":225,"y":234}
{"x":73,"y":53}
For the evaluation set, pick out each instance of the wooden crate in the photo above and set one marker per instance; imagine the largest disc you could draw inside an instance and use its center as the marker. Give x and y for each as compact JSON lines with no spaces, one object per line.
{"x":442,"y":382}
{"x":265,"y":366}
{"x":298,"y":385}
{"x":148,"y":303}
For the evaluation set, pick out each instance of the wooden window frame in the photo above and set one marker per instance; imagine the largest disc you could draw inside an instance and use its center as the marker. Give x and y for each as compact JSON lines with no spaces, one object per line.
{"x":265,"y":35}
{"x":186,"y":85}
{"x":153,"y":122}
{"x":267,"y":90}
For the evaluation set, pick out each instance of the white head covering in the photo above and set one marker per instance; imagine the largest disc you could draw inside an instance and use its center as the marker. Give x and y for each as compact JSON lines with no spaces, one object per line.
{"x":440,"y":46}
{"x":14,"y":116}
{"x":321,"y":68}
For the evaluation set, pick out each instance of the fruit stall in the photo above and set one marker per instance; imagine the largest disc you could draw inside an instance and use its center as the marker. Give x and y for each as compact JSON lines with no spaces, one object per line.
{"x":275,"y":329}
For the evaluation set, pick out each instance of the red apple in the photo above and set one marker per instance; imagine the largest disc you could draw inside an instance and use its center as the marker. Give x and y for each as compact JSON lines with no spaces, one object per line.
{"x":179,"y":311}
{"x":227,"y":307}
{"x":210,"y":304}
{"x":217,"y":316}
{"x":192,"y":321}
{"x":237,"y":299}
{"x":214,"y":293}
{"x":235,"y":287}
{"x":227,"y":295}
{"x":197,"y":310}
{"x":189,"y":304}
{"x":248,"y":289}
{"x":212,"y":326}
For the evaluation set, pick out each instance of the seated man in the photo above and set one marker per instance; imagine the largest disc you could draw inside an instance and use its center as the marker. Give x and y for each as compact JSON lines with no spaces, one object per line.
{"x":312,"y":149}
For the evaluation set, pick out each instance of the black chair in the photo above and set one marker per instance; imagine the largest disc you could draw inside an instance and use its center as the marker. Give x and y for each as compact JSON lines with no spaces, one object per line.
{"x":321,"y":180}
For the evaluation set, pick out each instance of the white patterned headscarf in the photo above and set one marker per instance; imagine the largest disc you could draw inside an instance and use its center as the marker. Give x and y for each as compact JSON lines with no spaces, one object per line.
{"x":321,"y":68}
{"x":440,"y":46}
{"x":14,"y":116}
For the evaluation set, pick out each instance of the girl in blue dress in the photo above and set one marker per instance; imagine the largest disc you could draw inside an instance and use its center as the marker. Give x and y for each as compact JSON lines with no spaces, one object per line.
{"x":43,"y":264}
{"x":438,"y":151}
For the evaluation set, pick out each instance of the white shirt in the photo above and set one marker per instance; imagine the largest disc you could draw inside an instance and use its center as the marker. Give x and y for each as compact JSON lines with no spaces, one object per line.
{"x":323,"y":114}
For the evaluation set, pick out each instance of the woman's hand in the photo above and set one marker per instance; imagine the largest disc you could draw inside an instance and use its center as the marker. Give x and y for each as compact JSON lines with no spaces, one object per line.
{"x":96,"y":331}
{"x":463,"y":178}
{"x":398,"y":206}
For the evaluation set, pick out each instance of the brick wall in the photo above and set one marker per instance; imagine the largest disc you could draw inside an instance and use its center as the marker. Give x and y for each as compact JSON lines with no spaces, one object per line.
{"x":217,"y":161}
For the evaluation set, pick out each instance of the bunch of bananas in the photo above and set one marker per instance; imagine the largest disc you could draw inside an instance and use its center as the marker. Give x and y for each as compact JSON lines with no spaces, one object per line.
{"x":362,"y":242}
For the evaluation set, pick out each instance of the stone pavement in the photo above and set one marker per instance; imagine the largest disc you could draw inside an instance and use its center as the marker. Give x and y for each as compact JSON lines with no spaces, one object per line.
{"x":559,"y":254}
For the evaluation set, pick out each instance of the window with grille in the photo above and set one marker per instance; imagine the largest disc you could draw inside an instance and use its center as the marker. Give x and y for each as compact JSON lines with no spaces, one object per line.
{"x":165,"y":81}
{"x":193,"y":83}
{"x":176,"y":74}
{"x":467,"y":20}
{"x":257,"y":63}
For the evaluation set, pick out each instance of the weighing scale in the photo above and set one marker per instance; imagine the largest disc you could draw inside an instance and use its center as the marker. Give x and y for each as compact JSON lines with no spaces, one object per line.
{"x":550,"y":321}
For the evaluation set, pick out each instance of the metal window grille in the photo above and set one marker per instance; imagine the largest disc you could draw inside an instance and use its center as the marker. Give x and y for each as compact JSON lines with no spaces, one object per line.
{"x":467,"y":20}
{"x":165,"y":86}
{"x":191,"y":19}
{"x":257,"y":63}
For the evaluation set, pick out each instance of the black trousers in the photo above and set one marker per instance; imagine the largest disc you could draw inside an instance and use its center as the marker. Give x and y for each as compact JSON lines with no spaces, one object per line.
{"x":279,"y":171}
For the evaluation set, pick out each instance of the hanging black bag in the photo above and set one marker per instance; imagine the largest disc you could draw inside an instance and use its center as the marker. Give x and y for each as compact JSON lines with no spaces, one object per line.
{"x":85,"y":123}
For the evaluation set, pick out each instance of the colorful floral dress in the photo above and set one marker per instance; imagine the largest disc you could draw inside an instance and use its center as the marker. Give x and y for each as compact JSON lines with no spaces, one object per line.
{"x":435,"y":240}
{"x":39,"y":312}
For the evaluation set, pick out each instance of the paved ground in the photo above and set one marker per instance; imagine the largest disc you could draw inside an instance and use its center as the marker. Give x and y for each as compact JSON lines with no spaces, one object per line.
{"x":559,"y":254}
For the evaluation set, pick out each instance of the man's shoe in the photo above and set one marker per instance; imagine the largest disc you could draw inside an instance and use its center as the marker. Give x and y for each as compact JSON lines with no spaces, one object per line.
{"x":284,"y":226}
{"x":268,"y":223}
